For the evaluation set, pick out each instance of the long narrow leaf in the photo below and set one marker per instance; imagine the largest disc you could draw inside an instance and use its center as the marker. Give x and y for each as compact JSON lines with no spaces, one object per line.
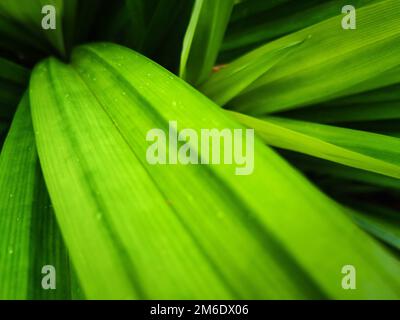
{"x":359,"y":149}
{"x":203,"y":38}
{"x":29,"y":236}
{"x":262,"y":27}
{"x":144,"y":221}
{"x":332,"y":62}
{"x":232,"y":80}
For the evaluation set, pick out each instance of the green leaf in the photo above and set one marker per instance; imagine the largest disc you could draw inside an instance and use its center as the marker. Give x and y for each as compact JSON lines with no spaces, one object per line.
{"x":29,"y":236}
{"x":145,"y":225}
{"x":235,"y":78}
{"x":359,"y":149}
{"x":203,"y":39}
{"x":386,"y":94}
{"x":332,"y":62}
{"x":290,"y":16}
{"x":118,"y":215}
{"x":339,"y":180}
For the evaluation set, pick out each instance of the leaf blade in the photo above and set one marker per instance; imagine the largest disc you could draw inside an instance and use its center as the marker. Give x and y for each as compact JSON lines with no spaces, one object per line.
{"x":203,"y":38}
{"x":364,"y":150}
{"x":30,"y":238}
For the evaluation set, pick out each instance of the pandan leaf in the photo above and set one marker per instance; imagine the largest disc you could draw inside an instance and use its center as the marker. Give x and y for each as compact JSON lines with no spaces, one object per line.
{"x":229,"y":82}
{"x":203,"y":39}
{"x":29,"y":236}
{"x":146,"y":224}
{"x":359,"y":149}
{"x":261,"y":27}
{"x":332,"y":63}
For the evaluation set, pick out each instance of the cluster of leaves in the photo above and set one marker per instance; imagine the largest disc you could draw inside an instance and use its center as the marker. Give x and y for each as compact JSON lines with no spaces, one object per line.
{"x":76,"y":191}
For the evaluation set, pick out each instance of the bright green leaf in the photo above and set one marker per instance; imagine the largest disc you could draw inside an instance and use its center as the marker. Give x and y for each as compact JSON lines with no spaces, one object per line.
{"x":146,"y":225}
{"x":359,"y":149}
{"x":29,"y":236}
{"x":332,"y":62}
